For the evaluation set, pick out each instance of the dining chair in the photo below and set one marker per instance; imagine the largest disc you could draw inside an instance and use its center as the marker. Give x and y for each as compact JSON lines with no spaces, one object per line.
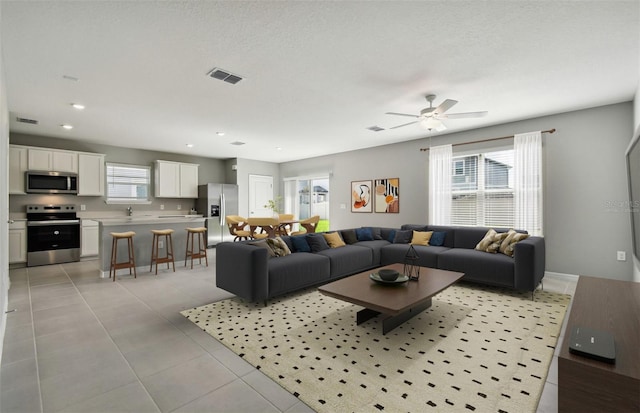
{"x":236,"y":225}
{"x":285,"y":228}
{"x":260,"y":228}
{"x":309,"y":225}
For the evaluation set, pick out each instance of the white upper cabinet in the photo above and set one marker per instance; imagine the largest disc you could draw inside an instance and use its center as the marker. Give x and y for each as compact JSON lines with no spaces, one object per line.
{"x":52,"y":160}
{"x":176,"y":180}
{"x":17,"y":168}
{"x":91,"y":174}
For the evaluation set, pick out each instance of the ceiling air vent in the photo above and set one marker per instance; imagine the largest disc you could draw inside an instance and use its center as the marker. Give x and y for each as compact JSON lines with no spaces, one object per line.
{"x":237,"y":143}
{"x":26,"y":120}
{"x":375,"y":128}
{"x":224,"y":75}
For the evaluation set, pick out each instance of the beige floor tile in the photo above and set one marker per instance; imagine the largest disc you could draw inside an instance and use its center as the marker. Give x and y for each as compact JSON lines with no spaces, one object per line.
{"x":234,"y":397}
{"x":131,"y":398}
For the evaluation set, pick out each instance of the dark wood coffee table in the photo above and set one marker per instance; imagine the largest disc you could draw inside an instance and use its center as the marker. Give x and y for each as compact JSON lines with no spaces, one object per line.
{"x":399,"y":302}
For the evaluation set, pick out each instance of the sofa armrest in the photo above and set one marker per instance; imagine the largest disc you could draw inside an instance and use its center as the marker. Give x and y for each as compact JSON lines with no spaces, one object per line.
{"x":529,"y":256}
{"x":243,"y":270}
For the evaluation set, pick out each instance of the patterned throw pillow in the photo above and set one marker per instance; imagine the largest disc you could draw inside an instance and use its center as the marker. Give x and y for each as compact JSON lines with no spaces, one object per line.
{"x":279,"y":247}
{"x":508,"y":245}
{"x":333,"y":239}
{"x":263,"y":244}
{"x":491,"y":241}
{"x":421,"y":237}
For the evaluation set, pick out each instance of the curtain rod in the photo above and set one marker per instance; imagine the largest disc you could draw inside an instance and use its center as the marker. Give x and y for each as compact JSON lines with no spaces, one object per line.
{"x":490,"y":139}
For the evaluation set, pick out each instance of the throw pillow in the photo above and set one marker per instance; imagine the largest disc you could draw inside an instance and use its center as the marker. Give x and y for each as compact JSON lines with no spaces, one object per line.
{"x":421,"y":237}
{"x":392,"y":235}
{"x":279,"y":247}
{"x":403,"y":236}
{"x":377,"y":233}
{"x":333,"y":239}
{"x":364,"y":234}
{"x":263,"y":244}
{"x":437,"y":239}
{"x":508,"y":245}
{"x":300,"y":244}
{"x":317,"y":242}
{"x":491,"y":241}
{"x":349,"y":236}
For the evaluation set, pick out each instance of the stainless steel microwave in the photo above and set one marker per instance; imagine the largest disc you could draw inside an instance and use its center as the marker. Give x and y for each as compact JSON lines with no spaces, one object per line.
{"x":47,"y":182}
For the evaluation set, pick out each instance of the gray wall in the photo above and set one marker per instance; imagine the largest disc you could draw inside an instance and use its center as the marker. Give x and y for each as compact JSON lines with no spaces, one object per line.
{"x":585,"y":173}
{"x":210,"y":170}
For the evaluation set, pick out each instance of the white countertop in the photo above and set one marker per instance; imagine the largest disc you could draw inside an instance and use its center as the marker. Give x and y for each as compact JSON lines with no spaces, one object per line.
{"x":148,"y":219}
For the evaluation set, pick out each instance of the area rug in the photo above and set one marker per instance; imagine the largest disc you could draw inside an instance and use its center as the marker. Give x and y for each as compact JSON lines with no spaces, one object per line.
{"x":476,"y":349}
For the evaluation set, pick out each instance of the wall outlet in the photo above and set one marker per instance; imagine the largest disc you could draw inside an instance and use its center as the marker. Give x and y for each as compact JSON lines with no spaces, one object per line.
{"x":179,"y":207}
{"x":160,"y":244}
{"x":162,"y":206}
{"x":83,"y":207}
{"x":622,"y":255}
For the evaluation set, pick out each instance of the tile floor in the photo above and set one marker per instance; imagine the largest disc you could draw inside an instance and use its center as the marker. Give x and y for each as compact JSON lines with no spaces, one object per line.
{"x":79,"y":343}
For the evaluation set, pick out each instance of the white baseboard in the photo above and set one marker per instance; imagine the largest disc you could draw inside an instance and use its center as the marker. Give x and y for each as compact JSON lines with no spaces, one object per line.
{"x":562,"y":276}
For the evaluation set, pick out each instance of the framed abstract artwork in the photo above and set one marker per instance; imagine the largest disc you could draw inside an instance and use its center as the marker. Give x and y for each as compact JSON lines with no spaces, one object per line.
{"x":387,"y":195}
{"x":361,"y":196}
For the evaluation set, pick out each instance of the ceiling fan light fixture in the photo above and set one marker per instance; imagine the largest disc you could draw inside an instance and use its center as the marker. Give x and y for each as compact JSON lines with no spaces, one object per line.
{"x":431,"y":123}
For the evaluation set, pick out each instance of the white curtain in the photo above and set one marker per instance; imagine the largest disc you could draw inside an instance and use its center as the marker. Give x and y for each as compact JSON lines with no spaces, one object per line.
{"x":527,"y":182}
{"x":440,"y":185}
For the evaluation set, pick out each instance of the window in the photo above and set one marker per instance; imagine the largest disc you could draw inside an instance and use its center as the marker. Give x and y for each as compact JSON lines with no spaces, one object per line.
{"x":128,"y":183}
{"x":483,"y":193}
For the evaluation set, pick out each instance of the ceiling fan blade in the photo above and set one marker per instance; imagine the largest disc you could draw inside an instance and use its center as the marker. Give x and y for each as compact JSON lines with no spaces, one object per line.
{"x":402,"y":114}
{"x":445,"y":106}
{"x":465,"y":115}
{"x":404,"y":124}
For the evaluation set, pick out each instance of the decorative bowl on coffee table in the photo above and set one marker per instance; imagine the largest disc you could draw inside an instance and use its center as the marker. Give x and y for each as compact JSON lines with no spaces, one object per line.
{"x":388,"y":274}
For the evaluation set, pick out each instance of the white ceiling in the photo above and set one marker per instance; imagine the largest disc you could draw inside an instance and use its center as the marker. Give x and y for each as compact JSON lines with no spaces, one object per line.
{"x":316,"y":74}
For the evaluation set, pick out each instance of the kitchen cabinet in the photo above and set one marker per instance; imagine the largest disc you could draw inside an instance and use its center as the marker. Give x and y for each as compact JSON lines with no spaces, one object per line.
{"x":176,"y":180}
{"x":41,"y":159}
{"x":17,"y":242}
{"x":91,"y":171}
{"x":89,"y":238}
{"x":17,"y":168}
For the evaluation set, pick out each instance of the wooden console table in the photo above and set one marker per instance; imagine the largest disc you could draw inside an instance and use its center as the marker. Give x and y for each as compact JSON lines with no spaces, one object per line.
{"x":586,"y":385}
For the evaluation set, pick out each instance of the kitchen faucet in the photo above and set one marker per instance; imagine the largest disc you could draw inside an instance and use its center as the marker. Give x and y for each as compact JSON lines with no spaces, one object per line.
{"x":130,"y":210}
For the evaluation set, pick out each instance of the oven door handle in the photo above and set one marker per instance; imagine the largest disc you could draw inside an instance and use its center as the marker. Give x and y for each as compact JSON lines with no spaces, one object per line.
{"x":52,"y":222}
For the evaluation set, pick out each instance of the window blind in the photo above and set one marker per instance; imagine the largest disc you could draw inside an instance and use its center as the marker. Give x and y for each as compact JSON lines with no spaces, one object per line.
{"x":128,"y":183}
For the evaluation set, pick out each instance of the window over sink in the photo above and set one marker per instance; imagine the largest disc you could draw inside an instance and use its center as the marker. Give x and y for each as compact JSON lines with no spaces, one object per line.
{"x":128,"y":184}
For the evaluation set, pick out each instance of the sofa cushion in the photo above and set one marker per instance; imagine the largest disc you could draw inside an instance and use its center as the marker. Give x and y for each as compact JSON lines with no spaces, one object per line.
{"x":279,"y":247}
{"x":348,"y":259}
{"x":333,"y":239}
{"x":395,"y":253}
{"x":364,"y":234}
{"x":300,"y":243}
{"x":437,"y":238}
{"x":421,"y":237}
{"x":297,"y":271}
{"x":495,"y":269}
{"x":349,"y":236}
{"x":403,"y":237}
{"x":375,"y":246}
{"x":317,"y":242}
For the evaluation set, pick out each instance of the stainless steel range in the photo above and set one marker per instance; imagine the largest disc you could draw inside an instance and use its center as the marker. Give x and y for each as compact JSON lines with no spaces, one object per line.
{"x":53,"y":234}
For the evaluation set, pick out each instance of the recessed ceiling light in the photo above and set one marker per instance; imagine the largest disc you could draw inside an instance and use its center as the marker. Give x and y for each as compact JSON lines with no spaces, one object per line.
{"x":279,"y":148}
{"x":220,"y":133}
{"x":67,"y":127}
{"x":78,"y":106}
{"x":189,"y":145}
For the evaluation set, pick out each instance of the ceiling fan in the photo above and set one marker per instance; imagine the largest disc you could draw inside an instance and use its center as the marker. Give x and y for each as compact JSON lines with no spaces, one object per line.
{"x":431,"y":118}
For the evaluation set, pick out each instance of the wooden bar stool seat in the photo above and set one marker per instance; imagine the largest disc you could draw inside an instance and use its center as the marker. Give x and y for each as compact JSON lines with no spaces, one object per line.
{"x":131,"y":261}
{"x":168,"y":242}
{"x":202,"y":246}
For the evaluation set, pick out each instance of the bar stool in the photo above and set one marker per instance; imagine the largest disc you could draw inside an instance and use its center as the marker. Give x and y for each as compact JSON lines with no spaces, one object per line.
{"x":131,"y":261}
{"x":168,"y":241}
{"x":202,"y":252}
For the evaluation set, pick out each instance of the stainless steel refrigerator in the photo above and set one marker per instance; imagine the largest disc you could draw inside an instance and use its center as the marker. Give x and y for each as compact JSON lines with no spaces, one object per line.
{"x":215,"y":202}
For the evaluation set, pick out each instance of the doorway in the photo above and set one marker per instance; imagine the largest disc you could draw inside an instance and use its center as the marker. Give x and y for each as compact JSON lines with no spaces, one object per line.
{"x":306,"y":197}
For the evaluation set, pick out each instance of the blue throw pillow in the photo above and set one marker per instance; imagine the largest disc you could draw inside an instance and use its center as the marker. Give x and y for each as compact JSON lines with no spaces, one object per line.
{"x":364,"y":234}
{"x":392,"y":235}
{"x":437,"y":238}
{"x":300,"y":244}
{"x":403,"y":237}
{"x":317,"y":242}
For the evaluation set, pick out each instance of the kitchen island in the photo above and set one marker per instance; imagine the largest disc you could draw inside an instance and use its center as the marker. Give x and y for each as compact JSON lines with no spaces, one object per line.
{"x":142,"y":226}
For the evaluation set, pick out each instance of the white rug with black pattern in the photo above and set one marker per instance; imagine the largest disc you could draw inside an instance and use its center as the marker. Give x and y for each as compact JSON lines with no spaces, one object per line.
{"x":476,"y":349}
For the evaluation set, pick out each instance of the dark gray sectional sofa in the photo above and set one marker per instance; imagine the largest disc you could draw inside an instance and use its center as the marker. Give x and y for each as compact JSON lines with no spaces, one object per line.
{"x":247,"y":270}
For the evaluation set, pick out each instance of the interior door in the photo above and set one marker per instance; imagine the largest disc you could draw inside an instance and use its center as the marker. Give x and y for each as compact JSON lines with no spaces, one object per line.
{"x":260,"y":192}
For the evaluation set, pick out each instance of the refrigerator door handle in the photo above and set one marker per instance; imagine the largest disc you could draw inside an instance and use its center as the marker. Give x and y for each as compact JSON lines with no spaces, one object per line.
{"x":223,"y":210}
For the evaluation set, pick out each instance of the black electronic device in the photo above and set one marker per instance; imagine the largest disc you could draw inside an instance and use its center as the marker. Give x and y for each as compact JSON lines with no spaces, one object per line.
{"x":595,"y":344}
